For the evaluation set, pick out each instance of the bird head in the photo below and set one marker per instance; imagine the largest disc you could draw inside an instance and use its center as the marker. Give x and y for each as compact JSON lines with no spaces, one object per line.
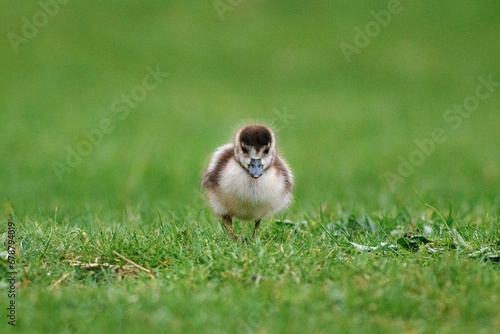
{"x":255,"y":149}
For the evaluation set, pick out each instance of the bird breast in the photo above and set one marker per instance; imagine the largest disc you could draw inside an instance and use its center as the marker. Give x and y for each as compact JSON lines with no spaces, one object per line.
{"x":241,"y":196}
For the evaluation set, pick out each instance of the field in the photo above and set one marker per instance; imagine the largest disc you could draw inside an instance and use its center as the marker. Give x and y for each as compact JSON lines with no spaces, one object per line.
{"x":387,"y":112}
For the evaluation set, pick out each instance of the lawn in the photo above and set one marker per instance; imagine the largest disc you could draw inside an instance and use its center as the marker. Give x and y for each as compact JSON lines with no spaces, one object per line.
{"x":386,"y":111}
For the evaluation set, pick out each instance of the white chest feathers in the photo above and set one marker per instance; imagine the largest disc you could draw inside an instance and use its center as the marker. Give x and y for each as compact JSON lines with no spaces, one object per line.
{"x":237,"y":194}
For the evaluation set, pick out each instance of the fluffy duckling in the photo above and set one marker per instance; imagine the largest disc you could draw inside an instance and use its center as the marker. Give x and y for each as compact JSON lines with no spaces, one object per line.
{"x":247,"y":179}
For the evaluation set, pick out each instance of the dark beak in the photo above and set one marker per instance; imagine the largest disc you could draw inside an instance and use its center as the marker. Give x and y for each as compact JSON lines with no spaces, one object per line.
{"x":256,"y":169}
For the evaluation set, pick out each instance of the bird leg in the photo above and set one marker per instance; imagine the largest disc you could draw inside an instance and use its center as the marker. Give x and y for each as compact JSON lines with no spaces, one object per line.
{"x":227,"y":224}
{"x":256,"y":228}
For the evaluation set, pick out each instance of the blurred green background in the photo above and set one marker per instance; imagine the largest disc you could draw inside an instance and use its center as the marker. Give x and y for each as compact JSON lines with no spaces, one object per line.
{"x":346,"y":123}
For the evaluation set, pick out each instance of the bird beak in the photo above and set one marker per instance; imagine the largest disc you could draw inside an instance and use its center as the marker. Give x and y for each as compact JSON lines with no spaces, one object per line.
{"x":256,"y":169}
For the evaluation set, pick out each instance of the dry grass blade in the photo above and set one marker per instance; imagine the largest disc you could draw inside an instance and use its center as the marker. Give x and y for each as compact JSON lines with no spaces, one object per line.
{"x":59,"y":281}
{"x":134,"y":264}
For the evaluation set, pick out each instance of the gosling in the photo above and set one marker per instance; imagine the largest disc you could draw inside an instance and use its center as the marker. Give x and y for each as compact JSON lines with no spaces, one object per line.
{"x":247,"y":179}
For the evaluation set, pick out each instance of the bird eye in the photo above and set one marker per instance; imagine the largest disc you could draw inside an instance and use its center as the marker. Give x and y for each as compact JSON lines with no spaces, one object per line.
{"x":266,"y":151}
{"x":244,"y":150}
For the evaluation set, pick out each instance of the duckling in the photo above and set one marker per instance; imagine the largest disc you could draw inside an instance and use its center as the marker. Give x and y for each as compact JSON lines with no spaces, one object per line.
{"x":247,"y":179}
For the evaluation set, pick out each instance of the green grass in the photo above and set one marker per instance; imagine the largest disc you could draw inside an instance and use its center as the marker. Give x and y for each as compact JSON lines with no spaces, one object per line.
{"x":435,"y":266}
{"x":298,"y":278}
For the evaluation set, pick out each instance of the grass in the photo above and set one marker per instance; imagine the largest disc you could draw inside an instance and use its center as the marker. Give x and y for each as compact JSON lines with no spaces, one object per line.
{"x":297,"y":277}
{"x":352,"y":254}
